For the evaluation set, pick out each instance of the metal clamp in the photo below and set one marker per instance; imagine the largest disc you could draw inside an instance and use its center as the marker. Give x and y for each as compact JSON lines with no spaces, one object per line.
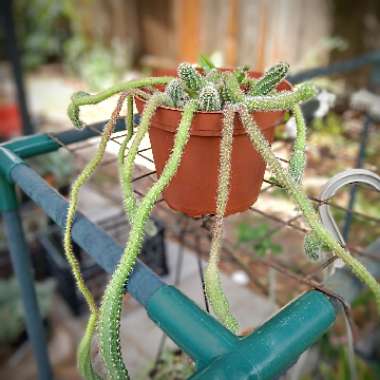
{"x":340,"y":180}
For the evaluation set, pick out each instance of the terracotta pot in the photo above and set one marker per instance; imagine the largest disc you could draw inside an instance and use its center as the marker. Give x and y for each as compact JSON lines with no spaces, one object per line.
{"x":193,"y":188}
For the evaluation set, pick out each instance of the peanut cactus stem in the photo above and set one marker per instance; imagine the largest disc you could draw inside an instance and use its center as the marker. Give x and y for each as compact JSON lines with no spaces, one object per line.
{"x":213,"y":285}
{"x":302,"y":201}
{"x":110,"y":311}
{"x":130,"y":203}
{"x":123,"y":147}
{"x":270,"y":80}
{"x":82,"y":98}
{"x":297,"y":161}
{"x":84,"y":349}
{"x":284,"y":100}
{"x":209,"y":99}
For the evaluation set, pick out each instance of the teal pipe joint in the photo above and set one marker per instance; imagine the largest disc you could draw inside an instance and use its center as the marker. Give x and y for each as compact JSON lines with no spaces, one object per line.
{"x":277,"y":344}
{"x":8,"y":199}
{"x":8,"y":160}
{"x":201,"y":336}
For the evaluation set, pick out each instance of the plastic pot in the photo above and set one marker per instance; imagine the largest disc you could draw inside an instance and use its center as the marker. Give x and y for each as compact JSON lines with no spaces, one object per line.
{"x":10,"y":121}
{"x":194,"y":186}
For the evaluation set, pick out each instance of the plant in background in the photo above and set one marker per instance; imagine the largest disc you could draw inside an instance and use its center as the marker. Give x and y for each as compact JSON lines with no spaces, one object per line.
{"x":230,"y":95}
{"x":259,"y":238}
{"x":11,"y":309}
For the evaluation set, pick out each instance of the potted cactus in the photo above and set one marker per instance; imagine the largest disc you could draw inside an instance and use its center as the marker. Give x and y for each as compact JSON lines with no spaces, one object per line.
{"x":210,"y":131}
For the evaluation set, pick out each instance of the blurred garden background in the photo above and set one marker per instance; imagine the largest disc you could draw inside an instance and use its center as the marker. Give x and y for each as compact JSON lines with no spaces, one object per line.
{"x":49,"y":49}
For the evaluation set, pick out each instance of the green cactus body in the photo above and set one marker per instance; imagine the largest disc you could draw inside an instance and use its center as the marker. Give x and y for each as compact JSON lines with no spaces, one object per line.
{"x":130,"y":203}
{"x":241,"y":74}
{"x":297,"y":161}
{"x":84,"y":349}
{"x":282,"y":101}
{"x":209,"y":99}
{"x":81,"y":98}
{"x":214,"y":76}
{"x":231,"y":91}
{"x":213,"y":285}
{"x":312,"y":246}
{"x":305,"y":205}
{"x":110,"y":311}
{"x":177,"y":93}
{"x":270,"y":80}
{"x":190,"y":76}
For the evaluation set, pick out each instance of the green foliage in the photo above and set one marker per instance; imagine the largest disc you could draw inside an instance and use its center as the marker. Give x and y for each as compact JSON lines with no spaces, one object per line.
{"x":331,"y":125}
{"x":42,"y":27}
{"x":11,"y":307}
{"x":334,"y":363}
{"x":192,"y":80}
{"x":205,"y":63}
{"x":259,"y":238}
{"x":172,"y":365}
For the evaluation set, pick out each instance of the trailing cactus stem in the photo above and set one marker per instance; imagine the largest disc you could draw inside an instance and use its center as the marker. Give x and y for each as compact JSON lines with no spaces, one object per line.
{"x":302,"y":201}
{"x":110,"y":311}
{"x":84,"y":350}
{"x":82,"y":98}
{"x":213,"y":285}
{"x":232,"y":88}
{"x":270,"y":79}
{"x":284,"y":100}
{"x":123,"y":147}
{"x":130,"y":203}
{"x":297,"y":161}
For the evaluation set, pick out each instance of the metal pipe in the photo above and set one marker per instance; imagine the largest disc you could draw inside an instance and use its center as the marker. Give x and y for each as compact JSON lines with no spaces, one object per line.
{"x":337,"y":68}
{"x":7,"y":19}
{"x":18,"y":249}
{"x":144,"y":285}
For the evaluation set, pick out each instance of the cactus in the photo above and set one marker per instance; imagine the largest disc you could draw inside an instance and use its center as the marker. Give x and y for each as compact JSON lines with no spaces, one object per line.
{"x":213,"y":286}
{"x":177,"y":94}
{"x":297,"y":161}
{"x":110,"y":311}
{"x":191,"y":78}
{"x":231,"y":91}
{"x":271,"y":78}
{"x":84,"y":349}
{"x":209,"y":99}
{"x":241,"y":74}
{"x":312,"y":246}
